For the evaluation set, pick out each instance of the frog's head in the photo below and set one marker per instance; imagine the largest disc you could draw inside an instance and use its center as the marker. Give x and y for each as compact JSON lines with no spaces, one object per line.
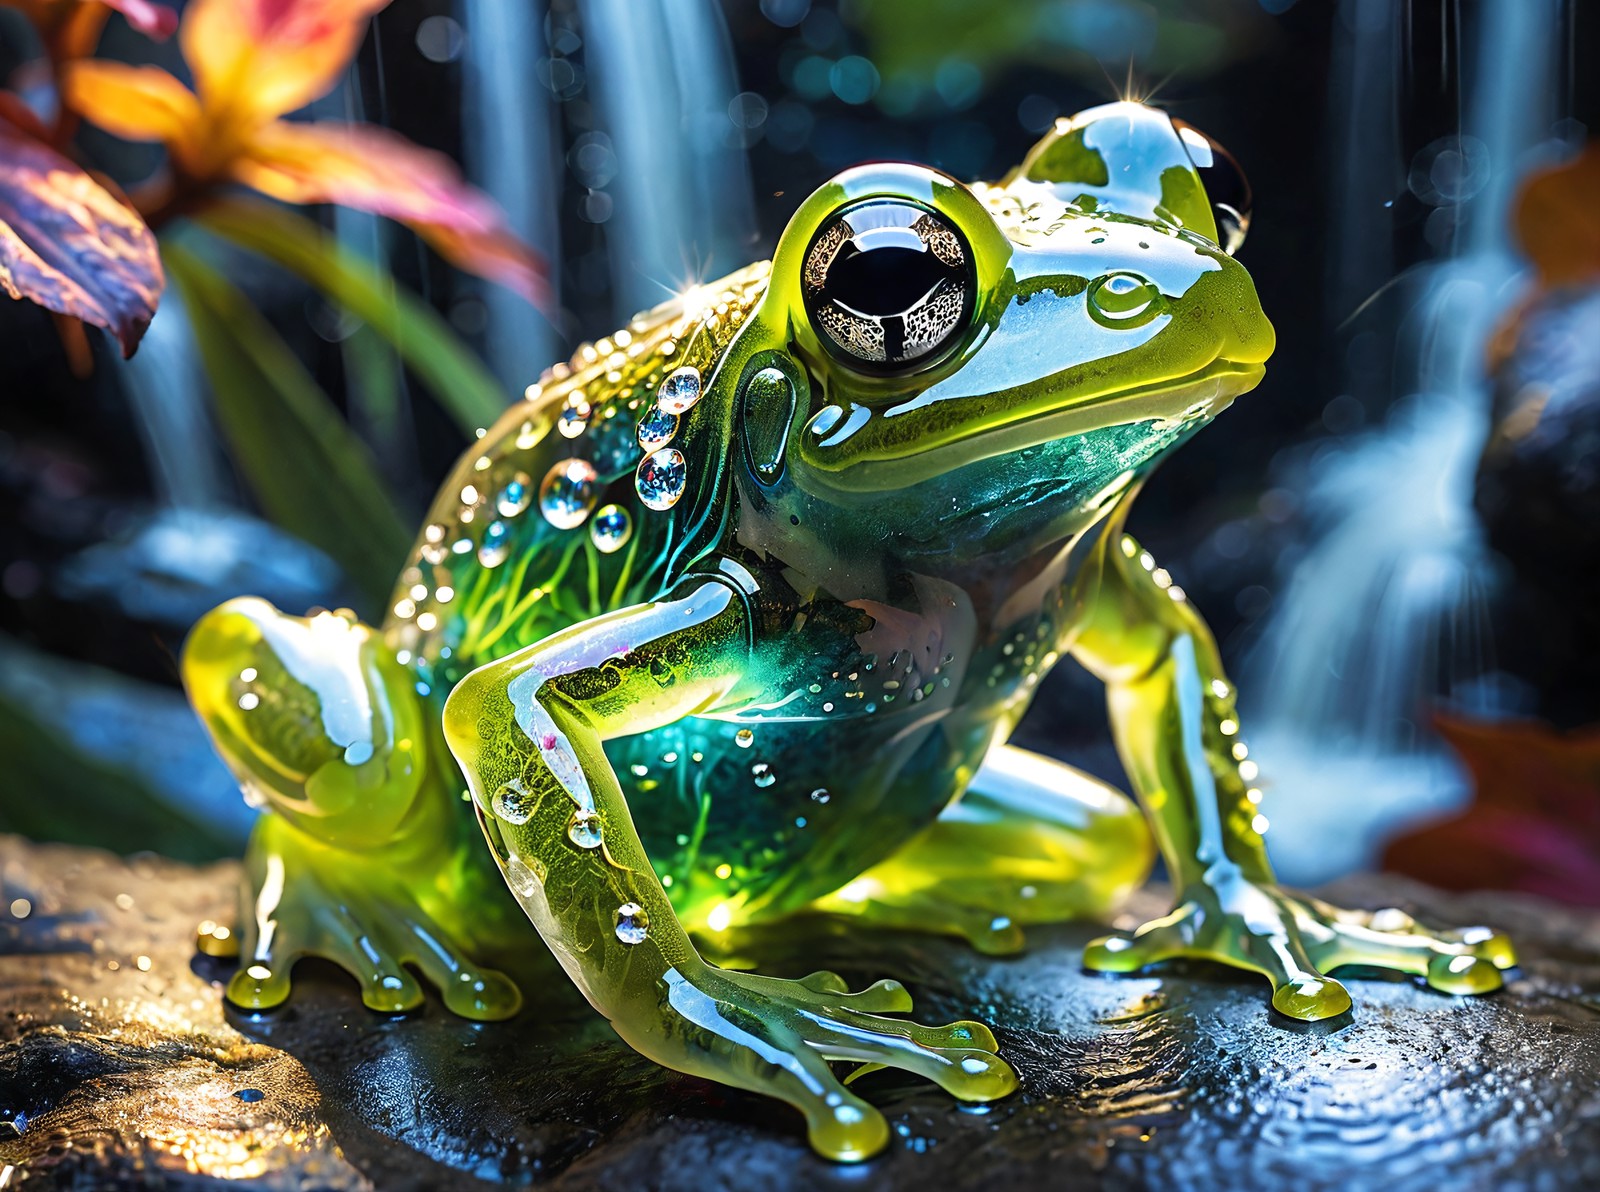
{"x":938,"y":336}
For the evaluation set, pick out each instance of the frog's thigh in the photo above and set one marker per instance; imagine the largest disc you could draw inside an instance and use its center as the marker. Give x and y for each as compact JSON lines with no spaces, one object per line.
{"x":361,"y":856}
{"x":1032,"y":841}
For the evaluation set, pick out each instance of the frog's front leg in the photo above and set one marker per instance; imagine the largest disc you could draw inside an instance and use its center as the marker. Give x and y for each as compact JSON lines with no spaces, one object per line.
{"x":1031,"y":841}
{"x":1176,"y":726}
{"x":364,"y":855}
{"x":527,"y":731}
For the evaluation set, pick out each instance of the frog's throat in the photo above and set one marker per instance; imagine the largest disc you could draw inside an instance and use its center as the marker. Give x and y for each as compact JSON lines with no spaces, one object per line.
{"x":1197,"y":396}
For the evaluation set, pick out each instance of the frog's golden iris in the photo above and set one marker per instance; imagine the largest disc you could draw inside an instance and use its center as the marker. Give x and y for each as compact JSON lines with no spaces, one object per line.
{"x":774,"y":671}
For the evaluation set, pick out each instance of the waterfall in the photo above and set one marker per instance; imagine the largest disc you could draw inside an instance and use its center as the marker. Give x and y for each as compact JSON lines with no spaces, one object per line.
{"x":661,"y":74}
{"x":162,"y":381}
{"x":1385,"y":609}
{"x":511,"y":147}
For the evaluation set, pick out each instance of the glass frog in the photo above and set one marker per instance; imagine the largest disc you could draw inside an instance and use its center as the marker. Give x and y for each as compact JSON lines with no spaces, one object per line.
{"x":731,"y":619}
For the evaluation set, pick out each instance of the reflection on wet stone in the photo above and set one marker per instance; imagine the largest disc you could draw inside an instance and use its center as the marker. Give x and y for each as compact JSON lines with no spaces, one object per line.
{"x":117,"y":1074}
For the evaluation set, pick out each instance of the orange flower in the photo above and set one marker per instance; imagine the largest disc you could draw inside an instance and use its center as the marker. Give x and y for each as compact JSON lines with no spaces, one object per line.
{"x":255,"y":60}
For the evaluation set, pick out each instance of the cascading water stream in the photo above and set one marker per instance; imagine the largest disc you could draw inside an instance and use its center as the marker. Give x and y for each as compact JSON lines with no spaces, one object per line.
{"x":511,"y":148}
{"x":1384,"y":612}
{"x":662,"y":77}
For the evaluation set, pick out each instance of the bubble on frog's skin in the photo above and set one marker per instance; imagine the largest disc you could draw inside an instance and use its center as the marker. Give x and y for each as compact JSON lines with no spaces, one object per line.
{"x":661,"y":478}
{"x":820,"y":795}
{"x":574,"y":420}
{"x":762,"y":773}
{"x":513,"y":803}
{"x":516,"y":496}
{"x":496,"y":544}
{"x":522,"y":878}
{"x":567,"y":493}
{"x":583,"y":829}
{"x":680,"y":390}
{"x":744,"y":738}
{"x":611,"y":528}
{"x":633,"y":924}
{"x":657,"y":428}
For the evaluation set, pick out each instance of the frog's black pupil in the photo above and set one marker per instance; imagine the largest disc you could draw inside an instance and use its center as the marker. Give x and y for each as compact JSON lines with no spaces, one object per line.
{"x":882,"y":281}
{"x":888,"y":284}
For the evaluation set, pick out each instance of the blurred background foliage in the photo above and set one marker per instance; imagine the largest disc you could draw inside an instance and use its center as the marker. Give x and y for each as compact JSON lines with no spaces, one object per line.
{"x":314,"y":369}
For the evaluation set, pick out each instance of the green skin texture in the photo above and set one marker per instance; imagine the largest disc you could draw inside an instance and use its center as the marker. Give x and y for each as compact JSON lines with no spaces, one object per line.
{"x":772,"y":697}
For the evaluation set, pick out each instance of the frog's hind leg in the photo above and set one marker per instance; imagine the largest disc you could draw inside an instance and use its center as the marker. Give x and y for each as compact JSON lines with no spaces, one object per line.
{"x":1032,"y":841}
{"x":364,"y":855}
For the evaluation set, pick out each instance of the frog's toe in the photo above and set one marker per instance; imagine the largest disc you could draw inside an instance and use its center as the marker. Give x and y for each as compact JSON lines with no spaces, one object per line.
{"x":844,"y":1127}
{"x":468,"y":989}
{"x":1123,"y":953}
{"x":390,"y":989}
{"x":483,"y":995}
{"x":881,"y":997}
{"x":1130,"y":951}
{"x":960,"y":1057}
{"x":846,"y":1027}
{"x":1464,"y":961}
{"x":1463,"y":974}
{"x":1262,"y":936}
{"x":1309,"y":996}
{"x":261,"y":985}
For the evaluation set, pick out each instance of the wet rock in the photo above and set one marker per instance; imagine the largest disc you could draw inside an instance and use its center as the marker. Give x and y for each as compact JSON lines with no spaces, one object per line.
{"x":119,"y":1066}
{"x":1538,"y":493}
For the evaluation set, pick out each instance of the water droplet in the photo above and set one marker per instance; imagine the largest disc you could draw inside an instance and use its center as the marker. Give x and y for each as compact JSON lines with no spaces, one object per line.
{"x":632,"y":923}
{"x":513,"y":803}
{"x":661,"y":478}
{"x":763,"y":775}
{"x":820,"y":795}
{"x":516,"y":496}
{"x":574,"y":420}
{"x":358,"y":753}
{"x":680,"y":390}
{"x":392,"y":982}
{"x":523,"y":879}
{"x":744,"y":738}
{"x":567,"y":493}
{"x":611,"y":529}
{"x":496,"y":544}
{"x":583,"y":829}
{"x":657,"y":429}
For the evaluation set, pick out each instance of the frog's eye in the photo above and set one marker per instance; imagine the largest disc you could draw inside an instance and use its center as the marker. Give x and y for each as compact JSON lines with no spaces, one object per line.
{"x":888,"y":284}
{"x":1225,"y":183}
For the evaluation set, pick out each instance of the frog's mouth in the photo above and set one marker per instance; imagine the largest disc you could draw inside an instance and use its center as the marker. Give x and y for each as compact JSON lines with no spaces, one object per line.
{"x":1039,"y":418}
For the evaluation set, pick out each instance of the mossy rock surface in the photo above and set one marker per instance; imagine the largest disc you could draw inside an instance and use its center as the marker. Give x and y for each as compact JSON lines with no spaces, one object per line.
{"x":120,"y":1067}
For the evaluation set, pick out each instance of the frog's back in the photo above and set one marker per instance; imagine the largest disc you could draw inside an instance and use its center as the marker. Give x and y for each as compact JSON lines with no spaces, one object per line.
{"x":544,"y":522}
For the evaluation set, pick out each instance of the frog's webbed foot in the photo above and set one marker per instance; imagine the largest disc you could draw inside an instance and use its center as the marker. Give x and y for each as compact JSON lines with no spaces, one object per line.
{"x":1293,"y":940}
{"x":308,"y":902}
{"x":779,"y":1037}
{"x":362,"y":857}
